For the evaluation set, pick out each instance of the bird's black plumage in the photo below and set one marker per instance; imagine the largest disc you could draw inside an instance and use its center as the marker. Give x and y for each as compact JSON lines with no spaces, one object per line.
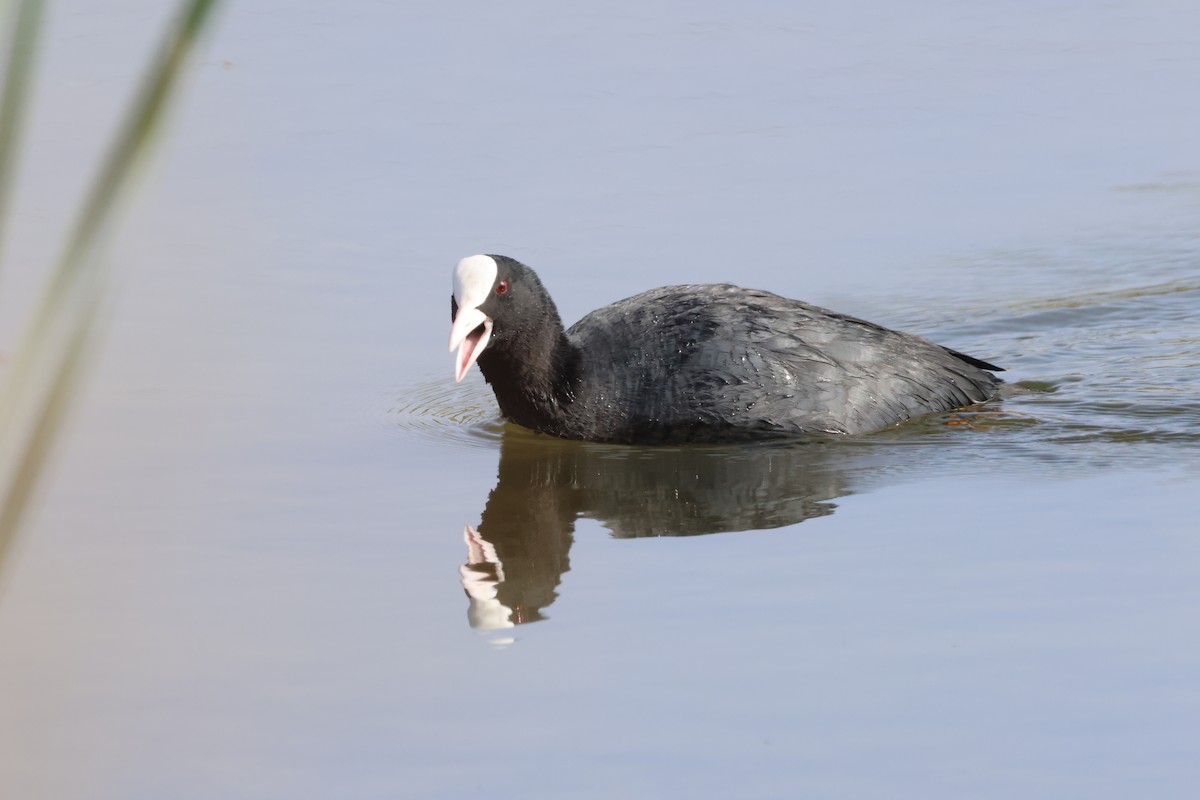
{"x":708,"y":363}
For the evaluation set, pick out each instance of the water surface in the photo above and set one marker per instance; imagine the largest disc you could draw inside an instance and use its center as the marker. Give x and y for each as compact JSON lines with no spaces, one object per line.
{"x":283,"y":555}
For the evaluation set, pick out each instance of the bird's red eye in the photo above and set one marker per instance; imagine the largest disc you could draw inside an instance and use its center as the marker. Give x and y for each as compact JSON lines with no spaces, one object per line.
{"x":501,"y":287}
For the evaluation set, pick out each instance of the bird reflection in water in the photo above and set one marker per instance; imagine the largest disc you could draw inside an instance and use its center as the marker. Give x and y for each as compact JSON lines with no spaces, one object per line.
{"x":517,"y":555}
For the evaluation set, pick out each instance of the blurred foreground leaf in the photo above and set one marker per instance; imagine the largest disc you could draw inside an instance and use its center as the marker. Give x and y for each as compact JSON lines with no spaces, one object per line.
{"x":21,"y":43}
{"x":45,"y":369}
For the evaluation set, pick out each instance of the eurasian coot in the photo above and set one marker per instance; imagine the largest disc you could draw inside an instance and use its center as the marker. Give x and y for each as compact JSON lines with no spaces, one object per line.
{"x":695,"y":363}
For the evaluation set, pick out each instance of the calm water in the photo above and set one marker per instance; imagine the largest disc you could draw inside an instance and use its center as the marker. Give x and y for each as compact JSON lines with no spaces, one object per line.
{"x":282,"y":555}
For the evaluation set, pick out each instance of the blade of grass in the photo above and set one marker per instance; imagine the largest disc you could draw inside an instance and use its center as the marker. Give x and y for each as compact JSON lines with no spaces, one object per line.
{"x":38,"y":387}
{"x":58,"y":398}
{"x":22,"y":43}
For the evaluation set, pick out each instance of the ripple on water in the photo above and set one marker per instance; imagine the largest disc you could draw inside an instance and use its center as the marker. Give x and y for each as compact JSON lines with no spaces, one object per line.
{"x":1113,"y":367}
{"x":447,"y":412}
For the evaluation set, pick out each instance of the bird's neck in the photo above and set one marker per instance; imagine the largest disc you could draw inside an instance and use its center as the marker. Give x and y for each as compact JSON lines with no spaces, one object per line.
{"x":534,"y":379}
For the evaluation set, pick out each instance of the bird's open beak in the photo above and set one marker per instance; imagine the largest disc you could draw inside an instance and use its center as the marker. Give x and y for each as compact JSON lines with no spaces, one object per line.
{"x":470,"y":333}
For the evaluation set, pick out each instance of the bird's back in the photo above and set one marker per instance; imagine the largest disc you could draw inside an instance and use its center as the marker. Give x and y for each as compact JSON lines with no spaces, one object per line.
{"x":704,"y":361}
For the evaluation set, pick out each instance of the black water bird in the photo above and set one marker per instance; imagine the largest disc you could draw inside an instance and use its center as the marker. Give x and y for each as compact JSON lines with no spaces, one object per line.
{"x":695,"y":363}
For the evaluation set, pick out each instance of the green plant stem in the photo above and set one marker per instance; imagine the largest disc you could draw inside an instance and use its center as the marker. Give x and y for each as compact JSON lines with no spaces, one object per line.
{"x":21,"y":47}
{"x":39,"y":385}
